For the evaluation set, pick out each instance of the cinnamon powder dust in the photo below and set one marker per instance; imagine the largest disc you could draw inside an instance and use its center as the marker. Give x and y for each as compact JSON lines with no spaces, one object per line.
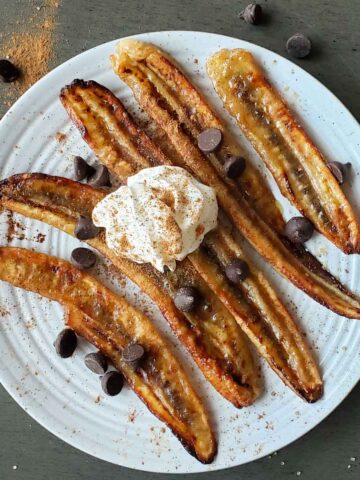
{"x":30,"y":48}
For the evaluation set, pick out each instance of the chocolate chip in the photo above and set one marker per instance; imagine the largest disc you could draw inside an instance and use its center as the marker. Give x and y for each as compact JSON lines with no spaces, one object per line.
{"x":100,"y":178}
{"x":65,"y":343}
{"x":82,"y":169}
{"x":252,"y":14}
{"x":299,"y":229}
{"x":83,"y":258}
{"x":186,"y":298}
{"x":112,"y":383}
{"x":339,"y":170}
{"x":209,"y":140}
{"x":298,"y":46}
{"x":237,"y":270}
{"x":133,"y":354}
{"x":234,"y":166}
{"x":8,"y":71}
{"x":96,"y":362}
{"x":85,"y":229}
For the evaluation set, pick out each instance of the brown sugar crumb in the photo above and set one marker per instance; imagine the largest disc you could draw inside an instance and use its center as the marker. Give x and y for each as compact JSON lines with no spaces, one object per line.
{"x":60,"y":137}
{"x":132,"y":416}
{"x":196,"y":60}
{"x":4,"y":312}
{"x":15,"y":229}
{"x":40,"y":238}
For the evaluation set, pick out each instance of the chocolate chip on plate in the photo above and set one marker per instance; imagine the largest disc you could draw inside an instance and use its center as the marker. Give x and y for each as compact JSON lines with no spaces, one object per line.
{"x":65,"y":343}
{"x":209,"y":140}
{"x":100,"y":178}
{"x":234,"y":166}
{"x":96,"y":362}
{"x":252,"y":14}
{"x":339,"y":170}
{"x":8,"y":71}
{"x":237,"y":270}
{"x":112,"y":383}
{"x":82,"y":169}
{"x":85,"y":229}
{"x":83,"y":258}
{"x":298,"y":46}
{"x":186,"y":298}
{"x":133,"y":354}
{"x":299,"y":229}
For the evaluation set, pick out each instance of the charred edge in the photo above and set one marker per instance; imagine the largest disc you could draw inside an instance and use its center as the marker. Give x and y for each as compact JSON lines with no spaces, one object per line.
{"x":189,"y":447}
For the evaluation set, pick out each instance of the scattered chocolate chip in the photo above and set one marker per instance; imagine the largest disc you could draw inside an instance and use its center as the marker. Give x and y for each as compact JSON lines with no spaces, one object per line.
{"x":85,"y":229}
{"x":8,"y":71}
{"x":82,"y":169}
{"x":133,"y":354}
{"x":209,"y":140}
{"x":65,"y":343}
{"x":237,"y":270}
{"x":299,"y":229}
{"x":186,"y":298}
{"x":96,"y":362}
{"x":252,"y":14}
{"x":112,"y":383}
{"x":234,"y":166}
{"x":339,"y":170}
{"x":298,"y":46}
{"x":83,"y":258}
{"x":100,"y":178}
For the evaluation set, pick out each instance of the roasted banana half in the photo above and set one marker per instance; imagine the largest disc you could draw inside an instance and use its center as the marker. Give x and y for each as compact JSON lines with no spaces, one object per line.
{"x":210,"y":333}
{"x":125,"y":149}
{"x":297,"y":165}
{"x":111,"y":324}
{"x":169,"y":98}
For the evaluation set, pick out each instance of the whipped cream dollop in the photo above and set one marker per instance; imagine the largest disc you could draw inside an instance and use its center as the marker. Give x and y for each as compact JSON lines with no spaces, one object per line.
{"x":160,"y":217}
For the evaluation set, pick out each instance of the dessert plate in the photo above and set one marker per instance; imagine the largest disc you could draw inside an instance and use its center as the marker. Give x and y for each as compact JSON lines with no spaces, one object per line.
{"x":63,"y":395}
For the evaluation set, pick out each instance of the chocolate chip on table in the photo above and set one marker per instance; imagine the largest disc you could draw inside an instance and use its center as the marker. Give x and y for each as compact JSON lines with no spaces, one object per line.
{"x":209,"y":140}
{"x":339,"y":170}
{"x":8,"y":71}
{"x":100,"y":178}
{"x":298,"y":46}
{"x":186,"y":298}
{"x":133,"y":354}
{"x":112,"y":383}
{"x":82,"y":169}
{"x":299,"y":229}
{"x":234,"y":166}
{"x":96,"y":362}
{"x":237,"y":270}
{"x":65,"y":343}
{"x":83,"y":258}
{"x":252,"y":14}
{"x":85,"y":229}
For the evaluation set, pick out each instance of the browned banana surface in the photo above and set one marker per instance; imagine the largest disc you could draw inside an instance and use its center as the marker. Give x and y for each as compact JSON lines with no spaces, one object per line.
{"x":112,"y":324}
{"x":210,"y":333}
{"x":297,"y":165}
{"x":253,"y":302}
{"x":160,"y":100}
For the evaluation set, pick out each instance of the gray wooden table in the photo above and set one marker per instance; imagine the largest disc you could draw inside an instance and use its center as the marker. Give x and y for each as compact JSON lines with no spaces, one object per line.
{"x":333,"y":25}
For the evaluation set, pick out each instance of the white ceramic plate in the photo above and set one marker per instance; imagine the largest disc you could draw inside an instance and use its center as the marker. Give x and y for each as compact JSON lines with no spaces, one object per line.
{"x":63,"y":395}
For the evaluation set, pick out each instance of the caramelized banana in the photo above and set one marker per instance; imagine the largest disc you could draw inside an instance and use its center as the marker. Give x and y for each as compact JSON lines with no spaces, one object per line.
{"x":298,"y":167}
{"x":210,"y":333}
{"x":110,"y":323}
{"x":253,"y":302}
{"x":156,"y":83}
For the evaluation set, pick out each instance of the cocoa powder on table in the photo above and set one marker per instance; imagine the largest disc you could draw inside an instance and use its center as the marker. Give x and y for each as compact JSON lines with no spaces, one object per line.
{"x":30,"y":48}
